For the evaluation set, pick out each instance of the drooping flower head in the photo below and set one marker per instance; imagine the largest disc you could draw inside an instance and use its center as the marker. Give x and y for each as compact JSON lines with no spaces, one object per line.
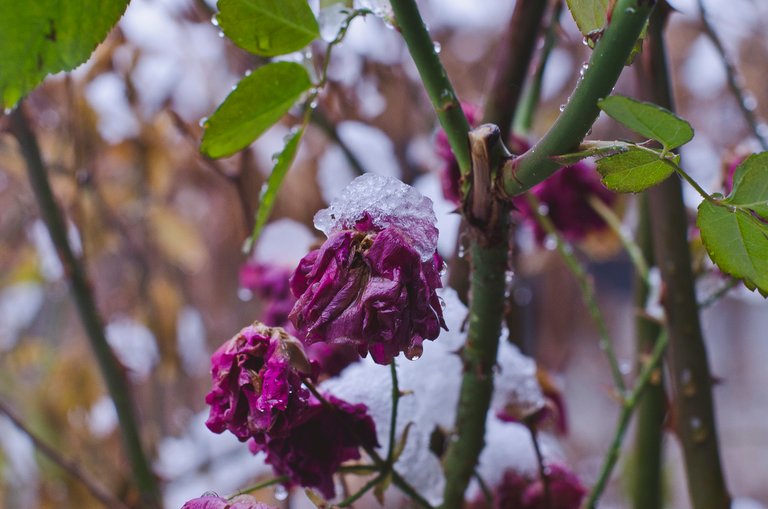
{"x":450,"y":174}
{"x":520,"y":491}
{"x":318,"y":442}
{"x":372,"y":283}
{"x":257,"y":383}
{"x":213,"y":501}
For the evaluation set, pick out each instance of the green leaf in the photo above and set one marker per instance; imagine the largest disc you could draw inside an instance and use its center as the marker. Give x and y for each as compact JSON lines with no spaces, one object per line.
{"x":649,"y":120}
{"x":41,"y":37}
{"x":590,"y":15}
{"x":259,"y":101}
{"x":737,"y":242}
{"x":750,"y":185}
{"x":268,"y":27}
{"x":633,"y":171}
{"x":269,"y":191}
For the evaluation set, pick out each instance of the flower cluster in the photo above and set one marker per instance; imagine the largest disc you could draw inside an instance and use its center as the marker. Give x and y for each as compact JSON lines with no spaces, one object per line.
{"x":373,"y":283}
{"x":258,"y":396}
{"x":518,"y":491}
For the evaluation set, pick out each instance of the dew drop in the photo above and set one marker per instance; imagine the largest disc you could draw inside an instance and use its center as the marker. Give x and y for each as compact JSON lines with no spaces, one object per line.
{"x":203,"y":122}
{"x":750,"y":102}
{"x":244,"y":294}
{"x":584,"y":69}
{"x":280,"y":492}
{"x":543,"y":209}
{"x":562,"y":107}
{"x":215,"y":20}
{"x":209,"y":494}
{"x":313,"y":103}
{"x":248,"y":73}
{"x":625,"y":367}
{"x":436,"y":45}
{"x":550,"y":243}
{"x":630,"y":10}
{"x":221,"y":34}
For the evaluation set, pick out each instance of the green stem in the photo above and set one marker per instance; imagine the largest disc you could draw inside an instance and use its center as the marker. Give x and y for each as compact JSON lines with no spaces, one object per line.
{"x":111,"y":369}
{"x":486,"y":218}
{"x":587,"y":290}
{"x":688,"y":364}
{"x":542,"y":464}
{"x":719,"y":293}
{"x":652,"y":407}
{"x":393,"y":419}
{"x":733,"y":82}
{"x":633,"y":248}
{"x":436,"y":83}
{"x":487,"y":493}
{"x":524,"y":114}
{"x":513,"y":62}
{"x":260,"y":485}
{"x":605,"y":66}
{"x":628,"y":407}
{"x":71,"y":467}
{"x":362,"y":491}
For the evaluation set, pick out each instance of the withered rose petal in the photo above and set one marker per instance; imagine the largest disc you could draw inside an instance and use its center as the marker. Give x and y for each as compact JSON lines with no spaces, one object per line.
{"x":370,"y":289}
{"x":255,"y":387}
{"x":319,"y":441}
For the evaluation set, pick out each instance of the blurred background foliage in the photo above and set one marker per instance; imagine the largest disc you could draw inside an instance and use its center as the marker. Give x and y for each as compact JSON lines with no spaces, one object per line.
{"x":161,"y":230}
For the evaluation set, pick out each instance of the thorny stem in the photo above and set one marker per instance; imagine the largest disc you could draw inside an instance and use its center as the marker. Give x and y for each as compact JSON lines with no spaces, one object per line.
{"x":69,"y":466}
{"x":747,"y":110}
{"x":628,"y":407}
{"x":436,"y":83}
{"x":587,"y":290}
{"x":688,"y":364}
{"x":111,"y":369}
{"x":606,"y":64}
{"x":260,"y":485}
{"x":486,"y":217}
{"x":339,"y":37}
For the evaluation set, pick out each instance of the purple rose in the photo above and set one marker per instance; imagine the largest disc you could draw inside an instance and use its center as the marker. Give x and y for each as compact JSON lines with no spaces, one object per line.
{"x":450,"y":175}
{"x":368,"y":288}
{"x":320,"y":439}
{"x":217,"y":502}
{"x":520,"y":491}
{"x":565,"y":491}
{"x":257,"y":383}
{"x":565,"y":195}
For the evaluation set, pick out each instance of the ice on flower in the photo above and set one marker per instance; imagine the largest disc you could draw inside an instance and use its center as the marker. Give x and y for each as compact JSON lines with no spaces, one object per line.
{"x":389,"y":203}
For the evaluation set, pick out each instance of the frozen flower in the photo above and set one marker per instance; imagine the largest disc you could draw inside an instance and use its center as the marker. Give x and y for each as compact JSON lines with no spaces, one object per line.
{"x":368,"y":287}
{"x":270,"y":283}
{"x":520,"y":491}
{"x":213,"y":501}
{"x":320,"y":439}
{"x":257,"y":383}
{"x":373,"y":283}
{"x":450,"y":175}
{"x":565,"y":197}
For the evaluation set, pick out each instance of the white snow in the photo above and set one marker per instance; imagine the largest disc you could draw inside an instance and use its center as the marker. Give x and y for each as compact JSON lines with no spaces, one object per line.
{"x":388,"y":202}
{"x":134,"y":344}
